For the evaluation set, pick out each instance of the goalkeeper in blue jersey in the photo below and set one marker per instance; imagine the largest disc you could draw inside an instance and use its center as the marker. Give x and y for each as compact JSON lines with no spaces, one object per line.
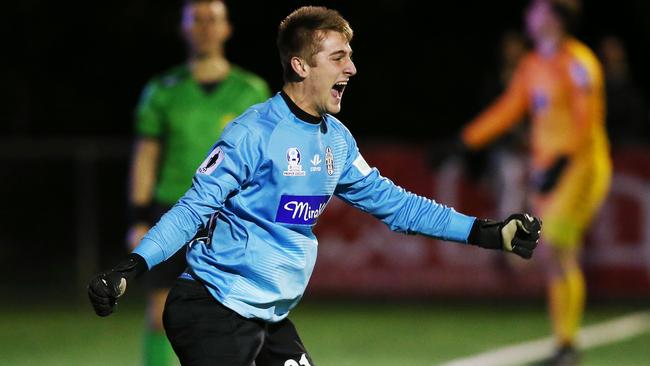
{"x":259,"y":196}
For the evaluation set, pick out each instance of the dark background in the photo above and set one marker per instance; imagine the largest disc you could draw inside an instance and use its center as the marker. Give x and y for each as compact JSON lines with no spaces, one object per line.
{"x":74,"y":70}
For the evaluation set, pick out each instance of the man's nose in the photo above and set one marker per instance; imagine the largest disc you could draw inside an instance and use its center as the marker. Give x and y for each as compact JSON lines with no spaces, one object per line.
{"x":350,"y":69}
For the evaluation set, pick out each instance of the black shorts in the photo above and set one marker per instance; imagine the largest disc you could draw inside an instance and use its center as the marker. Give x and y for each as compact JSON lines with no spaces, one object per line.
{"x":204,"y":332}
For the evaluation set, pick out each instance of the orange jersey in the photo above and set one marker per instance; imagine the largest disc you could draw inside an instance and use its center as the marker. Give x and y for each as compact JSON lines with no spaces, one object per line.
{"x":565,"y":99}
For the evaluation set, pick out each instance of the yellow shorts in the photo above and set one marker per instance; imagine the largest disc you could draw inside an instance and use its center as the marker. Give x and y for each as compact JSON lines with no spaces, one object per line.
{"x":567,"y":211}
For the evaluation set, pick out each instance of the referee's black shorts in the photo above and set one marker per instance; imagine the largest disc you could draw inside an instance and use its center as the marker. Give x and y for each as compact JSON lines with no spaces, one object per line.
{"x":204,"y":332}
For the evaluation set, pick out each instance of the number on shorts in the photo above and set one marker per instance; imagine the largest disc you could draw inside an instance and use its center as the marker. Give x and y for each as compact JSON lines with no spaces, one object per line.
{"x":303,"y":362}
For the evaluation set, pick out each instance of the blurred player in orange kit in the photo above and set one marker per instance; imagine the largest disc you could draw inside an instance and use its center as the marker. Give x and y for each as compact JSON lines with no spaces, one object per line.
{"x":560,"y":85}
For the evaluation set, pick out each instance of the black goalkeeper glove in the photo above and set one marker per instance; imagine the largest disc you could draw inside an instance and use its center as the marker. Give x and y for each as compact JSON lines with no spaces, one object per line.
{"x":519,"y":233}
{"x":548,"y":179}
{"x":107,"y":287}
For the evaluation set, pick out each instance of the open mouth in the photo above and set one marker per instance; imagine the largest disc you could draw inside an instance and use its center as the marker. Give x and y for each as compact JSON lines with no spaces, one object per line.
{"x":338,"y":88}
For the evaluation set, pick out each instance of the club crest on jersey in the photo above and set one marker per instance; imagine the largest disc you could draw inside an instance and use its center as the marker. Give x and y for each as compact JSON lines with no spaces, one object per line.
{"x":211,"y":162}
{"x":329,"y":160}
{"x":294,"y":168}
{"x":315,"y":162}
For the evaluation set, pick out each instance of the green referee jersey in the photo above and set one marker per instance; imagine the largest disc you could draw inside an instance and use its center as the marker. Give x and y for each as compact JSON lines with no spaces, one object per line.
{"x":175,"y":110}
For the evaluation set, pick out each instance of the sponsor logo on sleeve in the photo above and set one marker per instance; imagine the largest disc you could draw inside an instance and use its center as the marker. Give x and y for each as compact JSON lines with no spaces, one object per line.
{"x":211,"y":162}
{"x":300,"y":210}
{"x":294,"y":169}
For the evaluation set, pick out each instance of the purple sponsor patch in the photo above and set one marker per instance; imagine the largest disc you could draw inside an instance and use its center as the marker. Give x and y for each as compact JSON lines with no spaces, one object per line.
{"x":301,"y":210}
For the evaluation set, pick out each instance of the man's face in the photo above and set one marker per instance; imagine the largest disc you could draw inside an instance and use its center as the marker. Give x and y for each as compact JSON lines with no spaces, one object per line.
{"x":329,"y":72}
{"x":205,"y":27}
{"x":540,"y":20}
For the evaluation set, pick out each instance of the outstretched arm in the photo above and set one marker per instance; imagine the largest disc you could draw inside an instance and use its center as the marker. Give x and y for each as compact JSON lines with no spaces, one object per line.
{"x":364,"y":188}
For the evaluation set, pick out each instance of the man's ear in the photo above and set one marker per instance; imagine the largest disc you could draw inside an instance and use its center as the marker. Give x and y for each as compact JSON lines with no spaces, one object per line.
{"x":227,"y":30}
{"x":300,"y":66}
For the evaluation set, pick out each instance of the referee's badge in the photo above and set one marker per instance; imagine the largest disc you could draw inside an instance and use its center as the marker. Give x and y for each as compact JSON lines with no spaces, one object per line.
{"x":329,"y":160}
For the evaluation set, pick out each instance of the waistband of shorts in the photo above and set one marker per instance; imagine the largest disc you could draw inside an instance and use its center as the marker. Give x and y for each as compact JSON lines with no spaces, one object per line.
{"x":187,"y":275}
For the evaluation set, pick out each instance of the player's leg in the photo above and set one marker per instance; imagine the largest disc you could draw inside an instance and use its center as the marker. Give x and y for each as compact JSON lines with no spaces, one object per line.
{"x":566,"y":295}
{"x":157,"y":350}
{"x":283,"y":347}
{"x":576,"y":293}
{"x":567,"y":214}
{"x":566,"y":289}
{"x":203,"y":332}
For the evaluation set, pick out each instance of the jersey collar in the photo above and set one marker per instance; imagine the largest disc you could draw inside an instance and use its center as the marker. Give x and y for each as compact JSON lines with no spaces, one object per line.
{"x":302,"y":115}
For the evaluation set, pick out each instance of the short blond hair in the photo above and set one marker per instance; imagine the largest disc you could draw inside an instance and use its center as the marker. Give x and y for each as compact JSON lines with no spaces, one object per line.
{"x":301,"y":32}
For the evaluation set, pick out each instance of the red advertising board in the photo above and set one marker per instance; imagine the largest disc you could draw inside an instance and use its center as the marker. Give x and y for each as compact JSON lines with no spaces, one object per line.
{"x":359,"y":256}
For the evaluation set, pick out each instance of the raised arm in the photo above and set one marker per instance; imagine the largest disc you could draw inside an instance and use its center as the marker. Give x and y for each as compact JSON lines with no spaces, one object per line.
{"x":499,"y":117}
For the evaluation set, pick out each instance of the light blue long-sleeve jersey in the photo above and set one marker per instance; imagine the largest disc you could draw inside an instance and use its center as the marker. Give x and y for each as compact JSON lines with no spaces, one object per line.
{"x":269,"y":177}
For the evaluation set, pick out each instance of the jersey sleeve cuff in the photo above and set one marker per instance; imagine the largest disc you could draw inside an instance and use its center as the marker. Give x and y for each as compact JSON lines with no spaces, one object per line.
{"x":150,"y":251}
{"x":459,"y":227}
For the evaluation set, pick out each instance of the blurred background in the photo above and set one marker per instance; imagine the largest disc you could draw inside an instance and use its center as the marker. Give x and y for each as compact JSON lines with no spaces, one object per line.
{"x":72,"y":78}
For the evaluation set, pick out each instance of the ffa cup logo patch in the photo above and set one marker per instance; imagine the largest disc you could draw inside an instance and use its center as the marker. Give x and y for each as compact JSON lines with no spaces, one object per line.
{"x":329,"y":160}
{"x":294,"y":169}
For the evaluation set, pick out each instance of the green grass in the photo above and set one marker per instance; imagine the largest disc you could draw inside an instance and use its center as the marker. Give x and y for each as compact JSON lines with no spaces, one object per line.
{"x":59,"y":336}
{"x":409,"y":334}
{"x":633,"y":351}
{"x":336,"y":333}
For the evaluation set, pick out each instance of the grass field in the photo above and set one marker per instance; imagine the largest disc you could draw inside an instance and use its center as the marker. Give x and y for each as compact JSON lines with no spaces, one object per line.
{"x":336,"y":333}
